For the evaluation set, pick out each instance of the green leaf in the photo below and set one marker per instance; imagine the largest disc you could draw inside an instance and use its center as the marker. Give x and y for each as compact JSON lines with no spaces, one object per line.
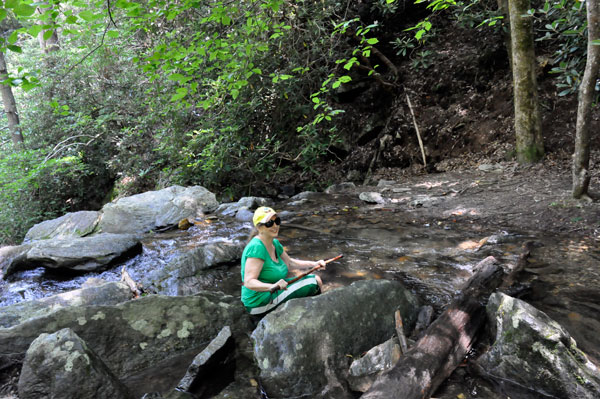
{"x":48,"y":34}
{"x":71,"y":19}
{"x":177,"y":77}
{"x":87,"y":15}
{"x":24,"y":10}
{"x":181,"y":93}
{"x":113,"y":33}
{"x":372,"y":41}
{"x":2,"y":14}
{"x":16,"y":49}
{"x":235,"y":93}
{"x":34,"y":30}
{"x":14,"y":36}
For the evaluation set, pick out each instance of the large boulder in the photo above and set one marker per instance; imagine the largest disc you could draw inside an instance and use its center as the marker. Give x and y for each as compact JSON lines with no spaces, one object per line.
{"x":143,"y":212}
{"x":303,"y":347}
{"x":75,"y":224}
{"x":533,"y":351}
{"x":62,"y":366}
{"x":139,"y":335}
{"x":12,"y":258}
{"x":101,"y":294}
{"x":90,"y":253}
{"x":184,"y":274}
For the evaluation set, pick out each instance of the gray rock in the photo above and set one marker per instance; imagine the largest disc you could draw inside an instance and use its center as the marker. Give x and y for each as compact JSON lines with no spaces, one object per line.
{"x":12,"y":259}
{"x":231,"y":208}
{"x":298,"y":202}
{"x":354,"y":175}
{"x":533,"y":351}
{"x":62,"y":366}
{"x":346,"y":187}
{"x":385,"y":183}
{"x":301,"y":348}
{"x":244,"y":215}
{"x":139,"y":335}
{"x":216,"y":355}
{"x":90,"y":253}
{"x":365,"y":370}
{"x":143,"y":212}
{"x":183,"y":275}
{"x":105,"y":294}
{"x":75,"y":224}
{"x":371,"y":197}
{"x":304,"y":195}
{"x":490,"y":168}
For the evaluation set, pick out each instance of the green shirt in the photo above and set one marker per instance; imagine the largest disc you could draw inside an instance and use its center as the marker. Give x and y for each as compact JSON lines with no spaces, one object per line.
{"x":271,"y":271}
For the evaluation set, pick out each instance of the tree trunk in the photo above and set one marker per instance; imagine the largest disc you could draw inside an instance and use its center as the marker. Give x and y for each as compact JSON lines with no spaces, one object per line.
{"x":581,"y":155}
{"x":528,"y":125}
{"x":51,"y":44}
{"x":422,"y":369}
{"x":10,"y":106}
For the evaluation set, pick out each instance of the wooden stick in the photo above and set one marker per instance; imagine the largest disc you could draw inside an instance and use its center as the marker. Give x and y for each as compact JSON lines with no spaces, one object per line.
{"x":400,"y":332}
{"x":276,"y":288}
{"x":416,"y":128}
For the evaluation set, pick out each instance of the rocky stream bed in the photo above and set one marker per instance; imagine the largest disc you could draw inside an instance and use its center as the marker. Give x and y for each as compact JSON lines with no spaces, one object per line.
{"x":407,"y":244}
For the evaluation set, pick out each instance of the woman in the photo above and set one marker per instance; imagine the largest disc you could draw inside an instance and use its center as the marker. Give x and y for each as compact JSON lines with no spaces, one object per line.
{"x":265,"y":268}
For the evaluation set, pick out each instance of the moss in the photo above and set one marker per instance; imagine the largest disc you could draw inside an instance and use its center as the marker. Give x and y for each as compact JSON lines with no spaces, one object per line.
{"x":530,"y":154}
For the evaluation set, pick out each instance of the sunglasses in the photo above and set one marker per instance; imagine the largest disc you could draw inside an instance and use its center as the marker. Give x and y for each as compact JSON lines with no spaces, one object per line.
{"x":270,"y":223}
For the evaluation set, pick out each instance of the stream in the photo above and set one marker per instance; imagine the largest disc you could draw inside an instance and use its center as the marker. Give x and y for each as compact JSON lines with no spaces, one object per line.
{"x":433,"y":259}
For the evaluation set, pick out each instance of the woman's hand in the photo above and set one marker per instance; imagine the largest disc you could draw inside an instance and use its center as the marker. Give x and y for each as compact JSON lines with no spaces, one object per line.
{"x":321,"y":263}
{"x":280,"y":285}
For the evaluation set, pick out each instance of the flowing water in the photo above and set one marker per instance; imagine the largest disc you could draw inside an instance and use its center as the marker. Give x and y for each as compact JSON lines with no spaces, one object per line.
{"x":433,"y":259}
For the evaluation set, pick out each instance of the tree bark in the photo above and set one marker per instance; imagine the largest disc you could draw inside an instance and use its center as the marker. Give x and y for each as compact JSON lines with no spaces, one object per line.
{"x":581,"y":155}
{"x":10,"y":106}
{"x":51,"y":44}
{"x":528,"y":123}
{"x":446,"y":342}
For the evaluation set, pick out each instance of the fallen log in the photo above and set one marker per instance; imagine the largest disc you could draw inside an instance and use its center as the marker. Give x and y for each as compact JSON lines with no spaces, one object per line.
{"x":422,"y":369}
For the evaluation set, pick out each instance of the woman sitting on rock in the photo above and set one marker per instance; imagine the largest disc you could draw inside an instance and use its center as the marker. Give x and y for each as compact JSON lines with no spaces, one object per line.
{"x":265,"y":268}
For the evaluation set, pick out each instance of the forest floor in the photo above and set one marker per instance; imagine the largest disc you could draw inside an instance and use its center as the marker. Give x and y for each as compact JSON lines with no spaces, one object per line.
{"x":461,"y":96}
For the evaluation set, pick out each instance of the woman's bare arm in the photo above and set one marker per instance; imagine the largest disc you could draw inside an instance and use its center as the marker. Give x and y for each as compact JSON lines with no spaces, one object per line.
{"x":252,"y":271}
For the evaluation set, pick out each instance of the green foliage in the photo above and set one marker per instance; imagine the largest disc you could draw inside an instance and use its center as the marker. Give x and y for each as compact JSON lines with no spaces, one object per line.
{"x":564,"y":24}
{"x":35,"y":188}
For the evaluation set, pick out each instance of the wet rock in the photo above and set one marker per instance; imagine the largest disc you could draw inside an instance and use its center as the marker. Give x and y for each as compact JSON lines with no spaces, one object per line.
{"x":385,"y":183}
{"x":304,"y":195}
{"x":244,"y":215}
{"x":371,"y":197}
{"x":238,"y":390}
{"x":365,"y":370}
{"x":301,"y":348}
{"x":90,"y":253}
{"x":340,"y":188}
{"x":138,"y":336}
{"x":533,"y":351}
{"x":105,"y":294}
{"x":75,"y":224}
{"x":62,"y":366}
{"x":183,"y":275}
{"x":12,"y":259}
{"x":144,"y":212}
{"x":248,"y":203}
{"x":216,"y":358}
